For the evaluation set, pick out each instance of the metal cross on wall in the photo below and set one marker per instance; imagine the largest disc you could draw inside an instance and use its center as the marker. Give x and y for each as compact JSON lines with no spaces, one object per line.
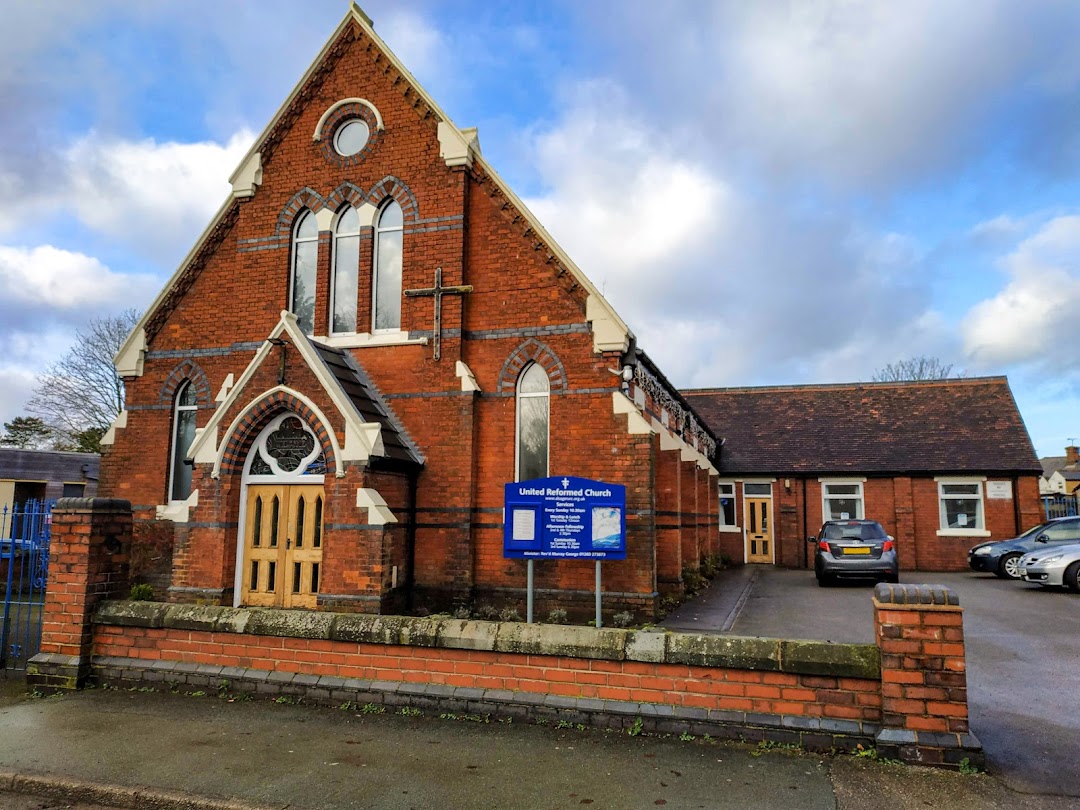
{"x":437,"y":292}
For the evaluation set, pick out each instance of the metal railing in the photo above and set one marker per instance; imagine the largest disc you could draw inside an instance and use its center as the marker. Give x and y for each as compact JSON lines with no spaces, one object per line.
{"x":25,"y":531}
{"x":1055,"y":506}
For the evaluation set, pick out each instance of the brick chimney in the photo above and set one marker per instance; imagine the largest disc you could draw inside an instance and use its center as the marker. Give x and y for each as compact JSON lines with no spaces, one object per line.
{"x":1072,"y":454}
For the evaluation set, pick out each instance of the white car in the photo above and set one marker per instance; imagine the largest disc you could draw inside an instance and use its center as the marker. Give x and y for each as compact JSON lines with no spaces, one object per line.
{"x":1052,"y":567}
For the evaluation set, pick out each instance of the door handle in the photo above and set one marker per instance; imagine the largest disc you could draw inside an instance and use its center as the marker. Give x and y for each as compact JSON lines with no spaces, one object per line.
{"x":288,"y":543}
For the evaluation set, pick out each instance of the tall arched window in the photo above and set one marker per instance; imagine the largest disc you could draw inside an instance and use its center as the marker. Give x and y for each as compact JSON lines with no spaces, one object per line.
{"x":533,"y":423}
{"x":305,"y":258}
{"x":386,"y":281}
{"x":183,"y":435}
{"x":346,"y":267}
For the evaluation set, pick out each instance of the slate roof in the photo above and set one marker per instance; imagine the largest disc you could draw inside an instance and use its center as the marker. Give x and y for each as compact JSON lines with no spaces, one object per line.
{"x":369,"y":403}
{"x":967,"y":425}
{"x":1051,"y":464}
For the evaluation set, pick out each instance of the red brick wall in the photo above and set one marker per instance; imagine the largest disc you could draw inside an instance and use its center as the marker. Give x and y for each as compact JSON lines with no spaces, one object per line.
{"x":776,"y":693}
{"x":909,"y":510}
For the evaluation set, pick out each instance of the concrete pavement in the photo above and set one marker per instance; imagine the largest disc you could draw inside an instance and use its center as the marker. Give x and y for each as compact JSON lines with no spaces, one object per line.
{"x":1021,"y":650}
{"x":278,"y":755}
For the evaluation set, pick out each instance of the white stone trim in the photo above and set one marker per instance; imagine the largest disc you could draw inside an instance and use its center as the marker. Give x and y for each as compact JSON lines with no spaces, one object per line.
{"x":247,"y":177}
{"x":119,"y":423}
{"x":363,"y":340}
{"x":610,"y":334}
{"x":178,"y":511}
{"x":963,"y":533}
{"x":223,"y":393}
{"x":468,"y":379}
{"x":379,"y":513}
{"x":960,"y":479}
{"x":456,"y":146}
{"x":636,"y":424}
{"x":840,"y":479}
{"x":338,"y":105}
{"x":129,"y":361}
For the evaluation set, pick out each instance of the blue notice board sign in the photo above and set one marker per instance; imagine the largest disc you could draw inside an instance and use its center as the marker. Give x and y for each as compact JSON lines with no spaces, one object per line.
{"x":564,"y":517}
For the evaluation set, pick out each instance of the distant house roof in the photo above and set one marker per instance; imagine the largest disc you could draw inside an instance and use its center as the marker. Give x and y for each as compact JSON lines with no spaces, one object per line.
{"x":48,"y":465}
{"x":1070,"y":474}
{"x":967,"y":425}
{"x":1051,"y":464}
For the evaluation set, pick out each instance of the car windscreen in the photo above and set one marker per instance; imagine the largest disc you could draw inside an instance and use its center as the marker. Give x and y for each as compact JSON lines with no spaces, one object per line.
{"x":854,"y":531}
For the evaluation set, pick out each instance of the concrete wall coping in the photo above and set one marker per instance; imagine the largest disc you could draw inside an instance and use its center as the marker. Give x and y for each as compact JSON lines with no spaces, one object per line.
{"x":95,"y":505}
{"x":608,"y":644}
{"x":918,"y":596}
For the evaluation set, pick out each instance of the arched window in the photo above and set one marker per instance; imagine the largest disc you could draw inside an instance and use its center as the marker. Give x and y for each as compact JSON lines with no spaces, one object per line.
{"x":183,"y":435}
{"x":346,"y":267}
{"x":386,"y":276}
{"x":533,"y":423}
{"x":305,"y":258}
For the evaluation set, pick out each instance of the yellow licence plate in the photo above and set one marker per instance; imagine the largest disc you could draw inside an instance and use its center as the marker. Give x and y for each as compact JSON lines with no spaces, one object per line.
{"x":858,"y":550}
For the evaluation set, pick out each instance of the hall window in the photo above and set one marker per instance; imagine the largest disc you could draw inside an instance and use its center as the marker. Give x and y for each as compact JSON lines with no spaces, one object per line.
{"x":533,"y":423}
{"x":842,"y":500}
{"x":961,"y":505}
{"x":305,"y":259}
{"x":727,"y":506}
{"x":183,"y":434}
{"x":346,"y":269}
{"x":386,"y":273}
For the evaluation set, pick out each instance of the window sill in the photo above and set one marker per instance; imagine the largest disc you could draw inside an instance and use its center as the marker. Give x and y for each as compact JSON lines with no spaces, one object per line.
{"x":366,"y":339}
{"x":730,"y":529}
{"x":963,"y":533}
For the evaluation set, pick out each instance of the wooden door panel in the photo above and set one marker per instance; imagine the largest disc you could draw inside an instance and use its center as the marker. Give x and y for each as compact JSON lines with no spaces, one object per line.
{"x":304,"y":558}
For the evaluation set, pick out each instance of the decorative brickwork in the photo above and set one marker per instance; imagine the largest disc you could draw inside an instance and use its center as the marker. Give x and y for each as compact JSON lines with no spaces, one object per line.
{"x":187,"y":370}
{"x":348,"y":112}
{"x":258,"y":416}
{"x":532,"y":351}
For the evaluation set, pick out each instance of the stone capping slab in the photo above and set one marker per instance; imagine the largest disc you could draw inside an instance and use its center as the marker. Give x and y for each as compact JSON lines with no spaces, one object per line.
{"x":923,"y":596}
{"x":96,"y":505}
{"x":608,"y":644}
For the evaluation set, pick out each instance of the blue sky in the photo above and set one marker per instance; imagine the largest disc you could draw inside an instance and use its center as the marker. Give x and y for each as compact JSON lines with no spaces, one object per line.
{"x":767,"y":192}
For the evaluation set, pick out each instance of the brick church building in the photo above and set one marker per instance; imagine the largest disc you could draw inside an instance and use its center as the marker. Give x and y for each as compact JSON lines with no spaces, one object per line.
{"x":371,"y":338}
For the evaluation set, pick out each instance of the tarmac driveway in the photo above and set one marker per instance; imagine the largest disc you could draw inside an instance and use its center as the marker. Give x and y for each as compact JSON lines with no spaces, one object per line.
{"x":1022,"y":648}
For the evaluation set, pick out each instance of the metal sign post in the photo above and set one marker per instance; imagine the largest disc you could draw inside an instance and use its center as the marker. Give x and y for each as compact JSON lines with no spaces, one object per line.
{"x":529,"y":595}
{"x":599,"y":620}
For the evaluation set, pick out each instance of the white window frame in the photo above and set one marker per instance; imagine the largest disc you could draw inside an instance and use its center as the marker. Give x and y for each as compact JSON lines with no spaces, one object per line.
{"x":725,"y":527}
{"x":338,"y":235}
{"x":518,"y":396}
{"x":294,"y":244}
{"x":979,"y":529}
{"x":379,"y":231}
{"x":176,"y":409}
{"x":846,"y":482}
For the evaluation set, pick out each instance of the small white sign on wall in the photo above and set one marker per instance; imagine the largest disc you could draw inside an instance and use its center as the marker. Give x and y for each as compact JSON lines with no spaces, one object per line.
{"x":999,"y":490}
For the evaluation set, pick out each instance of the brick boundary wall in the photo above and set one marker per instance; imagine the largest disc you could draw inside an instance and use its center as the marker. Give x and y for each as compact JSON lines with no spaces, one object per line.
{"x":906,"y":694}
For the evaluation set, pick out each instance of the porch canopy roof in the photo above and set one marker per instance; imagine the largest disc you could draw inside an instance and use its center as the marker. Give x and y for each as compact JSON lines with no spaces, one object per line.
{"x":969,"y":425}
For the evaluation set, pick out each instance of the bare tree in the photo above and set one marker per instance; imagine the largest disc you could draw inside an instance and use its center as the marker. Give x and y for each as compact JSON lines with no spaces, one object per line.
{"x":81,"y":394}
{"x":916,"y":368}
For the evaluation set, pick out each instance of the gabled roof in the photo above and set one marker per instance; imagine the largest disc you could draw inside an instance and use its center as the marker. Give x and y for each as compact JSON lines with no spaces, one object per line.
{"x":944,"y":426}
{"x":369,"y":403}
{"x":1051,"y":464}
{"x":369,"y":423}
{"x":609,"y":330}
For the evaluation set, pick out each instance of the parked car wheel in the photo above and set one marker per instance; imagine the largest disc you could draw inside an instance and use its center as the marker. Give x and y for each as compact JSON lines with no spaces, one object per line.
{"x":1072,"y":577}
{"x":1009,"y":567}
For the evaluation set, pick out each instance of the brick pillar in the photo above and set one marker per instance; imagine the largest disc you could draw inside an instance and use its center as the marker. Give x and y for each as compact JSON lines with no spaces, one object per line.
{"x":920,"y":633}
{"x":88,"y":563}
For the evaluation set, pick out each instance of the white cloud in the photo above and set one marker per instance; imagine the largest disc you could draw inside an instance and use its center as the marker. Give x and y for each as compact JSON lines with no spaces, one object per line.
{"x":155,"y":196}
{"x":1034,"y":315}
{"x":419,"y":45}
{"x":47,"y":277}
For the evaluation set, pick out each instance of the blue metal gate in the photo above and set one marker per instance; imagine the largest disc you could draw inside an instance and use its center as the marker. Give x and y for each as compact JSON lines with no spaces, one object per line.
{"x":24,"y":573}
{"x":1056,"y":506}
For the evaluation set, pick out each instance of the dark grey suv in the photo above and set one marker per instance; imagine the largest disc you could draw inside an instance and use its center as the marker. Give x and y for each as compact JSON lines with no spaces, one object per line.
{"x":854,"y":548}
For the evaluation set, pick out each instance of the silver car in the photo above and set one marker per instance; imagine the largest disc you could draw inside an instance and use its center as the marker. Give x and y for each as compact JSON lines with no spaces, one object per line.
{"x":1053,"y":567}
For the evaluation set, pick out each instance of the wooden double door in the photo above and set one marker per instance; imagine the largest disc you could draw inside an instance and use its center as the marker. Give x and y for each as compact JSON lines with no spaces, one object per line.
{"x":283,"y":536}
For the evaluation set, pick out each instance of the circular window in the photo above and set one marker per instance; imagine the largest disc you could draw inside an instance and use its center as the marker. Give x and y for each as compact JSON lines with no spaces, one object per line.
{"x":351,"y":137}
